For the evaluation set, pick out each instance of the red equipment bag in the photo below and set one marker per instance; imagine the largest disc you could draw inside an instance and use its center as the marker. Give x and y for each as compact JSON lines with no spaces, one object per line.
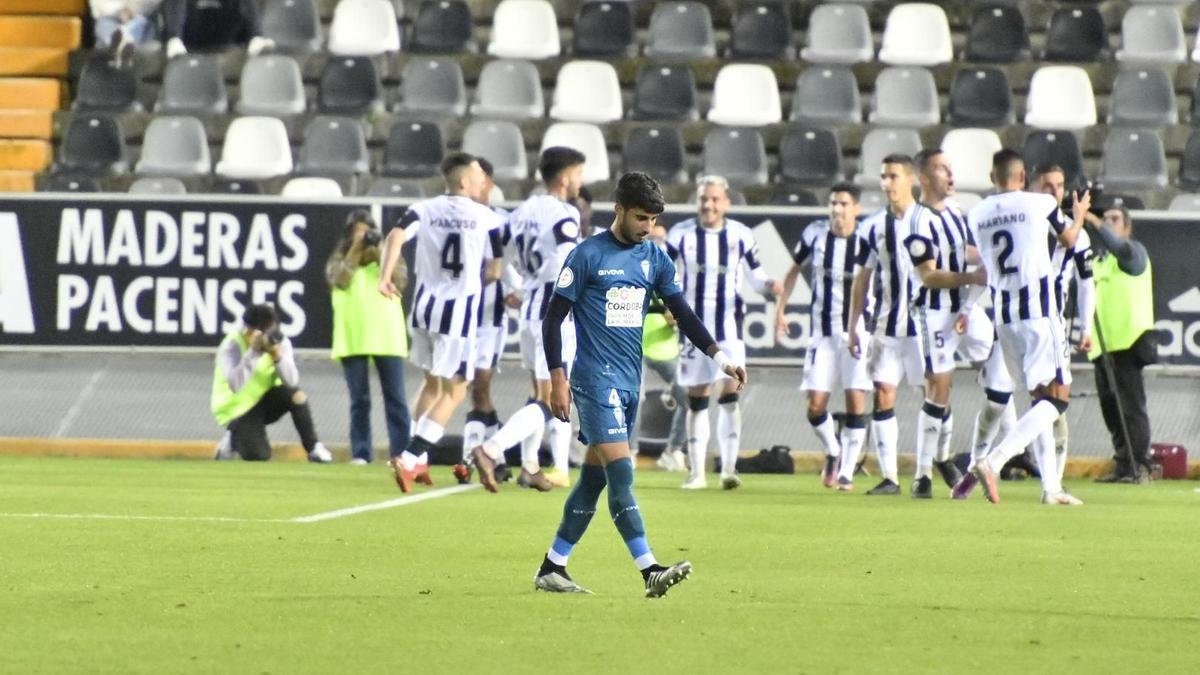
{"x":1172,"y":458}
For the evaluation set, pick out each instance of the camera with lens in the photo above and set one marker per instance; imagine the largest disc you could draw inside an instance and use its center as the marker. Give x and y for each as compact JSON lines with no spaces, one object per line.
{"x":372,"y":237}
{"x":273,"y":337}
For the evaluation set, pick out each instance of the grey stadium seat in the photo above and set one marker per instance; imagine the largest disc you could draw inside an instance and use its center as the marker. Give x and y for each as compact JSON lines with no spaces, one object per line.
{"x":415,"y":149}
{"x":1055,"y":147}
{"x":738,"y":154}
{"x":810,"y":156}
{"x":997,"y":35}
{"x":1143,"y":97}
{"x":93,"y":145}
{"x":839,"y":33}
{"x":880,"y":143}
{"x":657,"y":151}
{"x":827,"y":95}
{"x":604,"y":29}
{"x":294,"y":25}
{"x":762,"y":29}
{"x":349,"y":85}
{"x":396,"y":187}
{"x":509,"y":89}
{"x":234,"y":186}
{"x":501,"y":143}
{"x":442,"y":27}
{"x":106,"y":86}
{"x":681,"y":29}
{"x":1189,"y":164}
{"x":271,"y":85}
{"x":333,"y":146}
{"x":175,"y":146}
{"x":1133,"y":160}
{"x":664,"y":92}
{"x":433,"y":85}
{"x":155,"y":185}
{"x":980,"y":97}
{"x":193,"y":84}
{"x":905,"y":97}
{"x":1152,"y":34}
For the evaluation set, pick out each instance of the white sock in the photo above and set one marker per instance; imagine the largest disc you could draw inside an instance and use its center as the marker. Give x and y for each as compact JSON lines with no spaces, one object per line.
{"x":929,"y":434}
{"x":987,"y":425}
{"x":409,"y":461}
{"x":1037,"y":419}
{"x":530,"y":446}
{"x":474,"y":432}
{"x":527,"y":421}
{"x":887,"y":436}
{"x":698,"y":433}
{"x":560,"y":443}
{"x":943,"y":449}
{"x":729,"y":435}
{"x":429,"y":430}
{"x":1061,"y":443}
{"x":826,"y":431}
{"x":1047,"y":459}
{"x":852,"y":443}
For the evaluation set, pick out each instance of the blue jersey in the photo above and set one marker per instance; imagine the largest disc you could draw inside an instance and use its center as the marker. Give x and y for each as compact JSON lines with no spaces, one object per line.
{"x":610,"y":285}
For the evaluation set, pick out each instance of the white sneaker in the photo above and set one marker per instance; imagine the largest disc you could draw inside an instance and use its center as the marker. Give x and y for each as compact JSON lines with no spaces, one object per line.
{"x":320,"y":454}
{"x":672,"y":460}
{"x":695,"y":483}
{"x":1063,"y":498}
{"x":730,"y":481}
{"x":359,"y":461}
{"x":175,"y":48}
{"x":225,"y":448}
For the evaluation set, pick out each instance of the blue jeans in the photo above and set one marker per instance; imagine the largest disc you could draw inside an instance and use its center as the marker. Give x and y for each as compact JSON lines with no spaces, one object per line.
{"x":139,"y":29}
{"x":391,"y":381}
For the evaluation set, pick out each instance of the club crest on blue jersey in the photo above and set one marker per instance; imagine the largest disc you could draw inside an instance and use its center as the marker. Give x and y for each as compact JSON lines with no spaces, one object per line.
{"x":646,"y":268}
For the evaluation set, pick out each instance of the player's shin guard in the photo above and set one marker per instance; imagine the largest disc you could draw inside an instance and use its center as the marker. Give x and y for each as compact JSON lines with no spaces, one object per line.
{"x":944,"y":451}
{"x":729,"y":431}
{"x":577,"y":512}
{"x":625,"y":513}
{"x":929,"y":435}
{"x":474,"y":432}
{"x":1047,"y":459}
{"x":1061,"y":443}
{"x":854,"y":434}
{"x":1039,"y":418}
{"x":698,"y":433}
{"x":560,"y":444}
{"x":887,"y":435}
{"x":826,"y":432}
{"x":987,"y":422}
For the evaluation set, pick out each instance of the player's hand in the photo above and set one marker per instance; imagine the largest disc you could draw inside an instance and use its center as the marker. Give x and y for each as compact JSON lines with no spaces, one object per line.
{"x":258,"y":341}
{"x":774,"y":287}
{"x":853,"y":345}
{"x":737,"y":373}
{"x":1082,"y":205}
{"x":276,"y":351}
{"x":670,"y":318}
{"x":388,"y":289}
{"x":513,"y":300}
{"x":960,"y":324}
{"x":560,"y":396}
{"x":782,"y":328}
{"x":1085,"y":343}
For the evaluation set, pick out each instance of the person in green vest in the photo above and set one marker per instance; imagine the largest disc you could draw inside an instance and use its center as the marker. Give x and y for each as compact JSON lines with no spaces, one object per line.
{"x":1125,"y":342}
{"x":255,"y":382}
{"x":660,"y":353}
{"x":368,"y":327}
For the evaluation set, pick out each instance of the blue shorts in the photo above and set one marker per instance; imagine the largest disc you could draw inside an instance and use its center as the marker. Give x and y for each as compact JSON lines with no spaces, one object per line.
{"x":605,"y":414}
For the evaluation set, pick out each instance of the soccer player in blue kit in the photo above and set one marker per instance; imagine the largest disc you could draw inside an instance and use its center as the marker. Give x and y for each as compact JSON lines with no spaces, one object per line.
{"x":607,"y":283}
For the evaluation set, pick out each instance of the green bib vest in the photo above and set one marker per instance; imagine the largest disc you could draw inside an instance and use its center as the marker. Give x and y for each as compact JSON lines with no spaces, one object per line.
{"x":1124,"y":305}
{"x":659,"y":342}
{"x":228,"y":405}
{"x":364,"y":322}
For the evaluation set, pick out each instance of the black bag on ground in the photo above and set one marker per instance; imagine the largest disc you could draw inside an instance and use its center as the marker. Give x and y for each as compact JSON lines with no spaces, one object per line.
{"x":775,"y":459}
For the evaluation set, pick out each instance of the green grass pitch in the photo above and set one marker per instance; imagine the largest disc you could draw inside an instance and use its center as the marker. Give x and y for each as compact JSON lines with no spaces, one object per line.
{"x":789,"y":577}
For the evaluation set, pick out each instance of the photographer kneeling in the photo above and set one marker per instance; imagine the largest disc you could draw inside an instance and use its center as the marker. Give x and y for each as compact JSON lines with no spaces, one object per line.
{"x":254,"y":384}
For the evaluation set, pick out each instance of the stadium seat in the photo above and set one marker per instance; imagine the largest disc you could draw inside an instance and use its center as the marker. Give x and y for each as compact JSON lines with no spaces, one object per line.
{"x":997,"y":35}
{"x":364,"y":28}
{"x":681,"y":30}
{"x":1185,"y":202}
{"x":1043,"y":148}
{"x":1133,"y":160}
{"x":605,"y":28}
{"x":234,"y":186}
{"x":745,"y":94}
{"x":839,"y":33}
{"x":442,"y":27}
{"x":1076,"y":34}
{"x":1152,"y":34}
{"x":63,"y":182}
{"x":333,"y":146}
{"x":586,"y":138}
{"x":916,"y":34}
{"x":509,"y":89}
{"x":872,"y":200}
{"x":827,"y":95}
{"x":397,"y":188}
{"x":1060,"y":97}
{"x":810,"y":156}
{"x":792,"y":195}
{"x":524,"y":29}
{"x":970,"y":153}
{"x":879,"y":143}
{"x":349,"y":85}
{"x":433,"y":85}
{"x":501,"y":143}
{"x":271,"y":85}
{"x":193,"y":84}
{"x":664,"y":93}
{"x":762,"y":29}
{"x":1109,"y":200}
{"x":1143,"y":97}
{"x":105,"y":86}
{"x":1189,"y":163}
{"x":657,"y":151}
{"x":175,"y":146}
{"x":905,"y":97}
{"x":966,"y":200}
{"x":157,"y":185}
{"x":311,"y":187}
{"x":294,"y":25}
{"x":93,"y":144}
{"x":255,"y":148}
{"x":415,"y":149}
{"x":980,"y":97}
{"x":737,"y":154}
{"x":587,"y":91}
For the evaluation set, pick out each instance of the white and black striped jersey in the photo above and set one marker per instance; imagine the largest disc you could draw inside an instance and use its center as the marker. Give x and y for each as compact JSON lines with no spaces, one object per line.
{"x":884,"y":236}
{"x":1011,"y":230}
{"x":1073,"y":263}
{"x":835,"y":262}
{"x":491,"y":307}
{"x":544,"y":230}
{"x":454,"y":236}
{"x":942,"y":238}
{"x":712,"y":264}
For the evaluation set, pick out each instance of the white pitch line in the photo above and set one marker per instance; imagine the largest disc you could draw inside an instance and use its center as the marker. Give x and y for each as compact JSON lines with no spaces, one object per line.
{"x":118,"y":516}
{"x":391,"y":503}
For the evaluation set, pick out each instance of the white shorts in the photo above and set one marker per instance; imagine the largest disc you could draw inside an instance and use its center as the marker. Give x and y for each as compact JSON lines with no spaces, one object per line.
{"x":829,"y":366}
{"x":445,"y":356}
{"x":891,"y":359}
{"x":1035,"y":349}
{"x":489,"y":345}
{"x":994,"y":374}
{"x":939,"y":341}
{"x":697,"y":370}
{"x":975,"y":345}
{"x":533,"y":351}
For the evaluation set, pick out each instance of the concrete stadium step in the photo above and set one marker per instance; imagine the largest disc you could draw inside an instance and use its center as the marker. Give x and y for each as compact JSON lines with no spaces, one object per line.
{"x":25,"y":155}
{"x":17,"y":181}
{"x":58,"y":7}
{"x":41,"y":31}
{"x":34,"y":61}
{"x":26,"y":124}
{"x":30,"y":93}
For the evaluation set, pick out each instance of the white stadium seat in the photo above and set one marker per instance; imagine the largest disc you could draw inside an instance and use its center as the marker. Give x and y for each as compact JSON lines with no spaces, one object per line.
{"x":587,"y":91}
{"x":255,"y":148}
{"x":310,"y":187}
{"x":879,"y":143}
{"x":1152,"y":34}
{"x":1060,"y":97}
{"x":745,"y":94}
{"x":970,"y":153}
{"x":916,"y":34}
{"x":586,"y":138}
{"x":364,"y":28}
{"x":524,"y":29}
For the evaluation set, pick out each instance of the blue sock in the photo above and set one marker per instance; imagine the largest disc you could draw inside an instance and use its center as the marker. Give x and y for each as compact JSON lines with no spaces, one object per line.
{"x":625,"y":513}
{"x":577,"y":512}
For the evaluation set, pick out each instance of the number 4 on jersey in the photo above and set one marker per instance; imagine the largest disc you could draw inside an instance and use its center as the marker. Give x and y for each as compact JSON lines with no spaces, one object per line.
{"x":452,"y":254}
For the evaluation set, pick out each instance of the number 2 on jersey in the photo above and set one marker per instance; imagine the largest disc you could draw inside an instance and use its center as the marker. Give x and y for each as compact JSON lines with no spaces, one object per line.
{"x":452,"y":254}
{"x":1004,"y":240}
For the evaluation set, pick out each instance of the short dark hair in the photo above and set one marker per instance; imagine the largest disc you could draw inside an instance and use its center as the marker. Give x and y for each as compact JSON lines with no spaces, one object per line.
{"x":487,"y":167}
{"x":849,"y":188}
{"x":585,"y":194}
{"x":261,"y":317}
{"x":1125,"y":217}
{"x":902,"y":160}
{"x":1003,"y":162}
{"x":924,"y":157}
{"x":359,"y":215}
{"x":637,"y":190}
{"x":557,"y":159}
{"x":456,"y":161}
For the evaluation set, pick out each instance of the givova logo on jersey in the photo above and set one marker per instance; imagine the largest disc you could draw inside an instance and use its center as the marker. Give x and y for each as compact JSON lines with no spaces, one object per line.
{"x":16,"y":309}
{"x":623,"y":307}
